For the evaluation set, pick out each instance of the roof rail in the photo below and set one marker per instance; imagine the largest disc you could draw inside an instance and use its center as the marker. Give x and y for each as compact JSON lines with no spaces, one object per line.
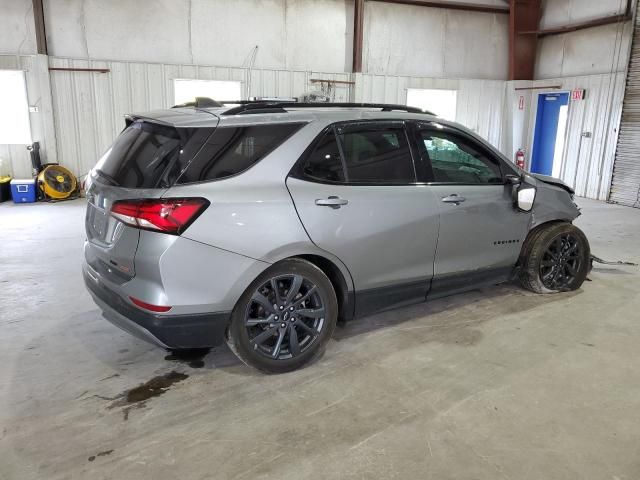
{"x":254,"y":107}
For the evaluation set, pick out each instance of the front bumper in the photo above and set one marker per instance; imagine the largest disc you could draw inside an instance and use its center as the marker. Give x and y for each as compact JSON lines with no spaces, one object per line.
{"x":167,"y":331}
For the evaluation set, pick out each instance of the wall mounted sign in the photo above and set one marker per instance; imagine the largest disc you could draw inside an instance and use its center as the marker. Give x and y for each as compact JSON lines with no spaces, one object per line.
{"x":578,"y":94}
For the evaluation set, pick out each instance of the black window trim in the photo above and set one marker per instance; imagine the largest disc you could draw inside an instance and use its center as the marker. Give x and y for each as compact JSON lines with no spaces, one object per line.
{"x":298,"y":168}
{"x":300,"y":124}
{"x":428,"y":178}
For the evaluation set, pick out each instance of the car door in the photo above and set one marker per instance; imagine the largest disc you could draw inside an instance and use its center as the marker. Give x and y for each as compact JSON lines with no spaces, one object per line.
{"x":356,"y":194}
{"x":481,"y":231}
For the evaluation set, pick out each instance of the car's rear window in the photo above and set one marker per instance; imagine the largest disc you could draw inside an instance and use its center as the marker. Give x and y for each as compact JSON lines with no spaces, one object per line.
{"x":150,"y":155}
{"x":232,"y":150}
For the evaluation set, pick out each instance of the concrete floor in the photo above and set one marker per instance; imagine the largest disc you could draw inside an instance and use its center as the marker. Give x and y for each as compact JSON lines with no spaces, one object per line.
{"x":498,"y":383}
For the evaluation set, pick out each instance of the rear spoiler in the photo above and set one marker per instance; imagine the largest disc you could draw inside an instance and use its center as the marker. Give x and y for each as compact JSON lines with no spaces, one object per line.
{"x":129,"y":119}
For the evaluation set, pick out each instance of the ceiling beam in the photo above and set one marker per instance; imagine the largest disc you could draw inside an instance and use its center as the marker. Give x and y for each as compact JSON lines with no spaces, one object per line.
{"x":524,"y":16}
{"x":469,"y":7}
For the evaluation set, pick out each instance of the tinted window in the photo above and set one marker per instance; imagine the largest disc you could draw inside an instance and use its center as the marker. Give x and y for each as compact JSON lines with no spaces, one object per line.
{"x":231,"y":150}
{"x":377,"y":155}
{"x":325,"y":163}
{"x":454,"y":160}
{"x":149,"y":155}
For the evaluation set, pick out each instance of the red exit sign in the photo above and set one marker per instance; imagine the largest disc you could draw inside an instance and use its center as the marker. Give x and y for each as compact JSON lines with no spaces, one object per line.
{"x":578,"y":94}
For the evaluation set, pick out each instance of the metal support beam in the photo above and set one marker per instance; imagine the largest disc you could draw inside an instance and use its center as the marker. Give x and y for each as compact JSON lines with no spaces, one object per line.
{"x":574,"y":27}
{"x":38,"y":20}
{"x":358,"y":35}
{"x":524,"y":16}
{"x":66,"y":69}
{"x":469,"y":7}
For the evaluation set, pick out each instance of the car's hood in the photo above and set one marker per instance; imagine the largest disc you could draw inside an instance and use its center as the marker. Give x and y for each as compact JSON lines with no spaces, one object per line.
{"x":552,"y":181}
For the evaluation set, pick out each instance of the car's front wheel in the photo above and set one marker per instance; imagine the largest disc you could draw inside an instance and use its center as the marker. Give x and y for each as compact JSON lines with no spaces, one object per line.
{"x":285,"y":317}
{"x":556,"y":259}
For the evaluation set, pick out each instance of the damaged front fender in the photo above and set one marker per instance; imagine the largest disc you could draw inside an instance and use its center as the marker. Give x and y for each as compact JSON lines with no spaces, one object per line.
{"x":554,"y":201}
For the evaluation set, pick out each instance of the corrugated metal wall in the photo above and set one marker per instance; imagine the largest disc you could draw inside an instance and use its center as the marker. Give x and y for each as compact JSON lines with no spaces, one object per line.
{"x":480,"y":103}
{"x":89,"y":107}
{"x":587,"y":161}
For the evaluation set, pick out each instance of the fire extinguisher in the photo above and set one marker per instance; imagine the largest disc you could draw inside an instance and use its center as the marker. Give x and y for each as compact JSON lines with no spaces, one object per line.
{"x":520,"y":159}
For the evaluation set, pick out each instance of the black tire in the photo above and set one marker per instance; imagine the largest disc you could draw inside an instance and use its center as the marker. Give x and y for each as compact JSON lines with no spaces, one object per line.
{"x":258,"y":331}
{"x":555,"y":258}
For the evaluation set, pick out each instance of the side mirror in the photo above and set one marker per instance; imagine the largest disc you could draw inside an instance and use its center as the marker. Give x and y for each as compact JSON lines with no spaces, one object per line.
{"x":525,"y":197}
{"x":524,"y":194}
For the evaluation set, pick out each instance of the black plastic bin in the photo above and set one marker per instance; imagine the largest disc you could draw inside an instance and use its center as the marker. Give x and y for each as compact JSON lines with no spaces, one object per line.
{"x":5,"y":189}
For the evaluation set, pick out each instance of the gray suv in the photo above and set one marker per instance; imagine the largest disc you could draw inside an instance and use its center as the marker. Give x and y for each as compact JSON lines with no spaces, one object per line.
{"x":264,"y":223}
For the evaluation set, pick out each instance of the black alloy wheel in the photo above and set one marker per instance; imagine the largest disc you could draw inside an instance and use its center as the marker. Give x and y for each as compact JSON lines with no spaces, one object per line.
{"x":561,"y":262}
{"x":554,"y":258}
{"x":285,"y":316}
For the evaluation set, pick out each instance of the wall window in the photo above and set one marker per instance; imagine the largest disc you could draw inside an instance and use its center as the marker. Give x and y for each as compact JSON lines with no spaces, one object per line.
{"x":441,"y":102}
{"x":454,"y":160}
{"x":14,"y":108}
{"x":186,"y":90}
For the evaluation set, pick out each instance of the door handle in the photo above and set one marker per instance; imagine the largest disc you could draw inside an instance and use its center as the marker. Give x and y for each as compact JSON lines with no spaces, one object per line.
{"x":453,"y":198}
{"x":333,"y":202}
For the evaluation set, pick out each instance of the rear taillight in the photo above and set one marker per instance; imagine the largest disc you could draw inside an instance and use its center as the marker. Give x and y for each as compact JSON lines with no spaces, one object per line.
{"x":167,"y":215}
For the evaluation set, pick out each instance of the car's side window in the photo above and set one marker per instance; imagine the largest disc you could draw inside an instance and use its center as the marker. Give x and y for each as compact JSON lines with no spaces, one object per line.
{"x":325,"y":163}
{"x":456,"y":160}
{"x":363,"y":153}
{"x":378,"y":155}
{"x":232,"y":150}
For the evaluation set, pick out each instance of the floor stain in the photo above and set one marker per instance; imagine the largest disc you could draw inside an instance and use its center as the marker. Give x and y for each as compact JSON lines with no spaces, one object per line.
{"x":136,"y":398}
{"x":154,"y":387}
{"x":194,"y":357}
{"x":135,"y":406}
{"x":100,"y":454}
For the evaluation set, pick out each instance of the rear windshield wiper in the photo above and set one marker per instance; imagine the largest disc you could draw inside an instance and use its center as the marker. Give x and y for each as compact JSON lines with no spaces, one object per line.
{"x":107,"y":177}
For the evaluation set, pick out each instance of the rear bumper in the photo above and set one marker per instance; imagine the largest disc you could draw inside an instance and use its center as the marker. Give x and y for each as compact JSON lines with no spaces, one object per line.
{"x":167,"y":331}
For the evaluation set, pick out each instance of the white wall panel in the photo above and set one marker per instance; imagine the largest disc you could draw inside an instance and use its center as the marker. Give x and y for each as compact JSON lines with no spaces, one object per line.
{"x":288,"y":34}
{"x":17,"y":29}
{"x":480,"y":103}
{"x":556,"y":13}
{"x":592,"y":51}
{"x":434,"y":42}
{"x":90,"y":107}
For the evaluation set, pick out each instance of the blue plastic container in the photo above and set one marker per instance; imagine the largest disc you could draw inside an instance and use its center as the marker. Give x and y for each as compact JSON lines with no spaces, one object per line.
{"x":23,"y":191}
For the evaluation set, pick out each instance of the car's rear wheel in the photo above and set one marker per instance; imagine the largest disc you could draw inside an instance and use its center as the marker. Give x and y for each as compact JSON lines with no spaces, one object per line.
{"x":556,"y":259}
{"x":285,"y":317}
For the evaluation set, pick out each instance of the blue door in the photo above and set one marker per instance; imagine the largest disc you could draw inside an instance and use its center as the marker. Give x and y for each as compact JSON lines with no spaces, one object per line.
{"x":544,"y":142}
